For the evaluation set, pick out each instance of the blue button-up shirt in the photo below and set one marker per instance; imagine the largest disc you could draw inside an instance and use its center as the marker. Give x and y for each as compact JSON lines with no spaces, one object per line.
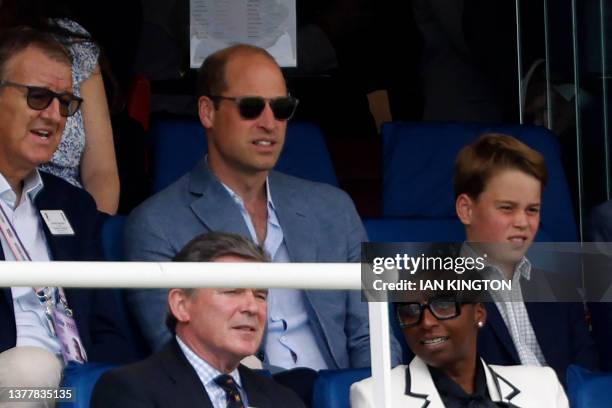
{"x":290,"y":341}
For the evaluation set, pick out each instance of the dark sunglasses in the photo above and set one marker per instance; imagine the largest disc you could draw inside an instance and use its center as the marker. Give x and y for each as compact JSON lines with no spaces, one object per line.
{"x":250,"y":107}
{"x":410,"y":314}
{"x":40,"y":98}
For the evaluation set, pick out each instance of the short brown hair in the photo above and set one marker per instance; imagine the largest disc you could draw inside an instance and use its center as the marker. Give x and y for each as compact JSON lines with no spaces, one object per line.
{"x":210,"y":246}
{"x":17,"y":39}
{"x":491,"y":153}
{"x":211,"y":75}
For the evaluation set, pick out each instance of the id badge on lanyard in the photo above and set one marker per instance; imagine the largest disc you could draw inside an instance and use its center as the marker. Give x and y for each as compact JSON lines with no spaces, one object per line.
{"x":66,"y":330}
{"x":53,"y":300}
{"x":61,"y":323}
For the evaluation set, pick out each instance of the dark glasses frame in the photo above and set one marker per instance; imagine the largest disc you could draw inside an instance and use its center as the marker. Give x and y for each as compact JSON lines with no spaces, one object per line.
{"x":431,"y":305}
{"x":251,"y":107}
{"x":39,"y":98}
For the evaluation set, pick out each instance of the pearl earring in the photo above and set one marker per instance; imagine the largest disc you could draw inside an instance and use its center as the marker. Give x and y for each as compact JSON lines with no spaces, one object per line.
{"x":479,"y":325}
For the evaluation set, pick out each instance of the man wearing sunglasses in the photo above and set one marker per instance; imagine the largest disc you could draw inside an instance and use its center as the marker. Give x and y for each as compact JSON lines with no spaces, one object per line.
{"x":44,"y":218}
{"x":244,"y":106}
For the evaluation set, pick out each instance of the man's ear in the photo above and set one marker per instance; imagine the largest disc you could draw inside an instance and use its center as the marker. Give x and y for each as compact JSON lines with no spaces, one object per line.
{"x":463,"y":207}
{"x":178,"y":300}
{"x":206,"y":111}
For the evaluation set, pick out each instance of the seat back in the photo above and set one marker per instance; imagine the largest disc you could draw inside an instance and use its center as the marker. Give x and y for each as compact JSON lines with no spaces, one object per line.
{"x":113,"y":250}
{"x":586,"y":389}
{"x":179,"y":144}
{"x":398,"y":229}
{"x":112,"y":238}
{"x":332,"y":388}
{"x":82,"y":378}
{"x":418,"y":171}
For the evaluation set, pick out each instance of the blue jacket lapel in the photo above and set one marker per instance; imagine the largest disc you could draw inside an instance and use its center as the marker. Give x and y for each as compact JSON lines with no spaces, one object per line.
{"x":543,"y":317}
{"x":294,"y":219}
{"x":221,"y":213}
{"x":496,"y":324}
{"x":212,"y":203}
{"x":300,"y":239}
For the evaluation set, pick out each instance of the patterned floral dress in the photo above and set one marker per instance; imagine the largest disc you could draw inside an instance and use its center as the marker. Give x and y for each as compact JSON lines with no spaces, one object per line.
{"x":67,"y":158}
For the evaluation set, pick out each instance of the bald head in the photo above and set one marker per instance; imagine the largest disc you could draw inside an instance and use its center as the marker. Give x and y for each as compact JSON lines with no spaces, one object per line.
{"x":212,"y":75}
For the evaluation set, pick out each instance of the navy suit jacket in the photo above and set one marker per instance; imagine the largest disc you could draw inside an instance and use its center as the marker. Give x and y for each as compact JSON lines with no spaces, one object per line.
{"x":560,"y":328}
{"x":319,"y":222}
{"x":94,"y":310}
{"x":167,"y":380}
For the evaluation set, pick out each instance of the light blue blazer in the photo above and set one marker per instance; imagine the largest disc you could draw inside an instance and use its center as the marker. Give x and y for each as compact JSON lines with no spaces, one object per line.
{"x":319,"y":222}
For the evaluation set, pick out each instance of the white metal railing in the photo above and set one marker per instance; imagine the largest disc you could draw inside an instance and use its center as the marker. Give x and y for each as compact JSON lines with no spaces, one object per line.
{"x":181,"y":274}
{"x":220,"y":274}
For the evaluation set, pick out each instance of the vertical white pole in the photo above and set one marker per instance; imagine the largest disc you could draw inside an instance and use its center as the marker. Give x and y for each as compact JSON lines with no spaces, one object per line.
{"x":380,"y":349}
{"x":519,"y":60}
{"x":578,"y":113}
{"x":604,"y":87}
{"x":549,"y":113}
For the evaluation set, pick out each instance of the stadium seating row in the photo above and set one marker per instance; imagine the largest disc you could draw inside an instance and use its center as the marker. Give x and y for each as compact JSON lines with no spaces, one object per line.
{"x":585,"y":389}
{"x":417,"y":169}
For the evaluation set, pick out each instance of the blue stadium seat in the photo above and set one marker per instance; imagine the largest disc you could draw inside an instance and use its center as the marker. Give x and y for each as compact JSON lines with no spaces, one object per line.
{"x":112,"y":238}
{"x":305,"y":154}
{"x":586,"y":389}
{"x":418,"y":163}
{"x":82,"y":380}
{"x":179,"y":144}
{"x":112,"y":247}
{"x":332,"y":387}
{"x":400,"y":229}
{"x":177,"y":147}
{"x":396,"y":229}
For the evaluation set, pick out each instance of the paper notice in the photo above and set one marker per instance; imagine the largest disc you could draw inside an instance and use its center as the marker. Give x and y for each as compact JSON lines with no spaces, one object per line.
{"x":269,"y":24}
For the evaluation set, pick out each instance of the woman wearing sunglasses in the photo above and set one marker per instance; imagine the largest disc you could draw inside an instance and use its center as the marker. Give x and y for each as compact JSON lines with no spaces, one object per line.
{"x":441,"y":329}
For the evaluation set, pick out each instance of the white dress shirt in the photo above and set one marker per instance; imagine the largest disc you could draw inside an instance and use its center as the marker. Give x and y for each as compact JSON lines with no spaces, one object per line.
{"x":33,"y":328}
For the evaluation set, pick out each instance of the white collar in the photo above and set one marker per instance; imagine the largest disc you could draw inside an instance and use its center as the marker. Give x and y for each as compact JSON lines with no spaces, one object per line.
{"x":32,"y":185}
{"x":422,"y":387}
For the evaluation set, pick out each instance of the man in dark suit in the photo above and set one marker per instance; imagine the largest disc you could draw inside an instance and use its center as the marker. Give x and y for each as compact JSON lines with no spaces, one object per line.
{"x":214,"y":329}
{"x":44,"y":218}
{"x":498,"y":185}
